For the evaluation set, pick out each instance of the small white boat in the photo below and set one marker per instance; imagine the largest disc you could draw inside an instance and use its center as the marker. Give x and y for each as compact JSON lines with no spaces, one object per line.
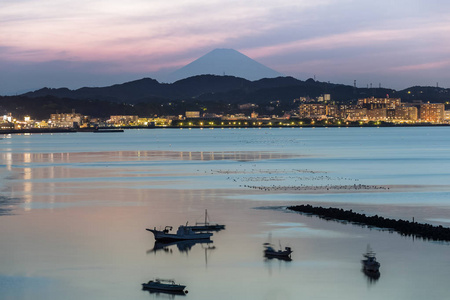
{"x":183,"y":233}
{"x":269,"y":251}
{"x":166,"y":285}
{"x":370,"y":263}
{"x":206,"y":226}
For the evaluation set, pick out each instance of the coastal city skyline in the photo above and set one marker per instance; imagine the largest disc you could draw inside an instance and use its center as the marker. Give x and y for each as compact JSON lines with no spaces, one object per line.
{"x":61,"y":44}
{"x":320,"y":111}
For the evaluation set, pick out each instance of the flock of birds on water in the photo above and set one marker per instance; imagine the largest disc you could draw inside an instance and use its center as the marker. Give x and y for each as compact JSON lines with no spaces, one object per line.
{"x":277,"y":175}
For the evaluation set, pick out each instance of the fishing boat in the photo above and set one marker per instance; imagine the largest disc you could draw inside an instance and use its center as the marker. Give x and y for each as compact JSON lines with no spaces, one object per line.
{"x":270,"y":252}
{"x":206,"y":226}
{"x":184,"y":232}
{"x":165,"y":285}
{"x":370,"y":263}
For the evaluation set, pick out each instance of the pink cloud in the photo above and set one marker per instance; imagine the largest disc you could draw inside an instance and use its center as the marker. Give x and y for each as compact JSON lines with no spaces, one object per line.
{"x":353,"y":39}
{"x":424,"y":66}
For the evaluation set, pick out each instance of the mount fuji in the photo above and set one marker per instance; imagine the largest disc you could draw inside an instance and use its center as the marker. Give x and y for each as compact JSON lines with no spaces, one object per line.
{"x":225,"y":62}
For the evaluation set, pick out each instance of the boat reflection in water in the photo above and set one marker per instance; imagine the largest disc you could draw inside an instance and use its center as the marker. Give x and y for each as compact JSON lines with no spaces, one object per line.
{"x":165,"y":294}
{"x":371,"y":277}
{"x":183,"y":246}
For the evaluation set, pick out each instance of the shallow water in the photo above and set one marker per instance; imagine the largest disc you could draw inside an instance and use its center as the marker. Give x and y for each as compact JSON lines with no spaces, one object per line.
{"x":74,"y":208}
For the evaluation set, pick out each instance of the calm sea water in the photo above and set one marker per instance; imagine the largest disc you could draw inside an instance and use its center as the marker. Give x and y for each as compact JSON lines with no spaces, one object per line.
{"x":74,"y":208}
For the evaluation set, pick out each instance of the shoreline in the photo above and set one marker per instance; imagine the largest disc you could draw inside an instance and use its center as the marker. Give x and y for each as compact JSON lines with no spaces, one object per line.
{"x":123,"y":128}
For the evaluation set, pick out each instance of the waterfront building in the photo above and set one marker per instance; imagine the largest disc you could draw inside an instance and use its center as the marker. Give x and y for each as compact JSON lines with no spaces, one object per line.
{"x":8,"y":118}
{"x":372,"y":103}
{"x":377,"y":114}
{"x":432,"y":112}
{"x":211,"y":116}
{"x":66,"y":120}
{"x":124,"y":119}
{"x":235,"y":117}
{"x":313,"y":111}
{"x":192,"y":114}
{"x":161,"y":121}
{"x":406,"y":113}
{"x":332,"y":111}
{"x":447,"y":115}
{"x":353,"y":113}
{"x":4,"y":125}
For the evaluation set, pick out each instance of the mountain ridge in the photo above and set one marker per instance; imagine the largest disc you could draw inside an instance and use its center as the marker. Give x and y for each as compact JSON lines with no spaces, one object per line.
{"x":214,"y":94}
{"x":210,"y":86}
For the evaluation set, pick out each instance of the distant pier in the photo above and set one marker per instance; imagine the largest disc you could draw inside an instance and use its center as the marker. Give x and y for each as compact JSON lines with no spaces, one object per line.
{"x":403,"y":227}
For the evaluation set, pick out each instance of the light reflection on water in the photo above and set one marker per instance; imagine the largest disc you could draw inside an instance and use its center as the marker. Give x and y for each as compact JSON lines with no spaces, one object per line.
{"x":78,"y":231}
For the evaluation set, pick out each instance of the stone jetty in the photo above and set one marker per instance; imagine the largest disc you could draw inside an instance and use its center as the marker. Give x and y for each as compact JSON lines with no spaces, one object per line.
{"x":403,"y":227}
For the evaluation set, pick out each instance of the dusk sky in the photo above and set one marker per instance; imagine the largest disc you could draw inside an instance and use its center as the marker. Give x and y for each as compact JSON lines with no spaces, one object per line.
{"x":60,"y":43}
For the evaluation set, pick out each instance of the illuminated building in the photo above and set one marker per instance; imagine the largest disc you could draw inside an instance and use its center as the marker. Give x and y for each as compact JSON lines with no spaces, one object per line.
{"x":406,"y":113}
{"x":352,"y":113}
{"x":124,"y":119}
{"x":66,"y":120}
{"x":373,"y":103}
{"x":313,"y":110}
{"x":377,"y":114}
{"x":332,"y":111}
{"x":192,"y":114}
{"x":247,"y":106}
{"x":432,"y":112}
{"x":447,"y":115}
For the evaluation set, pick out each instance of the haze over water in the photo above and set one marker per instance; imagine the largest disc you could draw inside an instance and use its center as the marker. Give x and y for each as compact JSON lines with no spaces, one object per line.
{"x":74,"y":208}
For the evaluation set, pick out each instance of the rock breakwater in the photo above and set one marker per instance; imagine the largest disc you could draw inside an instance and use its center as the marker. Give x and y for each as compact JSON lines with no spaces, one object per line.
{"x":403,"y":227}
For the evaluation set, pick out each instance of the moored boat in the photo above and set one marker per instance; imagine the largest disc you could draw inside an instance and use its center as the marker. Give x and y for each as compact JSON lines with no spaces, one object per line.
{"x":183,"y":233}
{"x":370,"y":263}
{"x":270,"y":252}
{"x":206,"y":226}
{"x":166,"y":285}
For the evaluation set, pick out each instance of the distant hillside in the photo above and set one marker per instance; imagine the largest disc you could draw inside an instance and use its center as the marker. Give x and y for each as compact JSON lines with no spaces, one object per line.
{"x":147,"y":89}
{"x":230,"y":88}
{"x":425,"y":93}
{"x":215,"y":94}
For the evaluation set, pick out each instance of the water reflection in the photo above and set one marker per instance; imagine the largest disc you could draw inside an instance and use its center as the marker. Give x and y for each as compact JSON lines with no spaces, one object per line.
{"x":182,"y":246}
{"x":280,"y":264}
{"x":164,"y":294}
{"x":207,"y":248}
{"x":6,"y":205}
{"x":52,"y":173}
{"x":372,"y":277}
{"x":152,"y":155}
{"x":105,"y":199}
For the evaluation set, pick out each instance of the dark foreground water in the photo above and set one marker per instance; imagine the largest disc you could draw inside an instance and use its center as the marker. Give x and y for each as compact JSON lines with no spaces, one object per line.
{"x":74,"y":208}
